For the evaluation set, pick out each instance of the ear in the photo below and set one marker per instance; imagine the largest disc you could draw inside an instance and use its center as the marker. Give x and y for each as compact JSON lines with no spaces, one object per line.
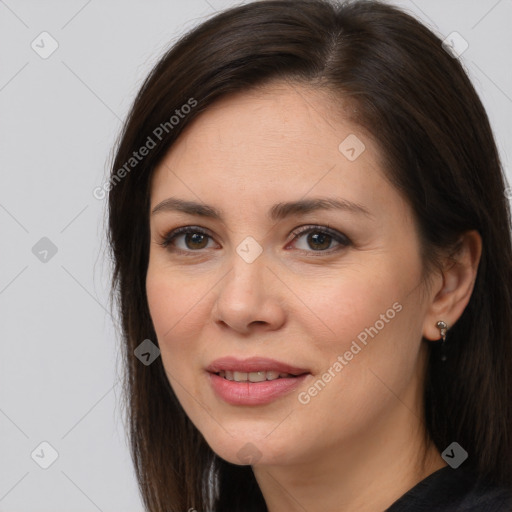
{"x":451,"y":297}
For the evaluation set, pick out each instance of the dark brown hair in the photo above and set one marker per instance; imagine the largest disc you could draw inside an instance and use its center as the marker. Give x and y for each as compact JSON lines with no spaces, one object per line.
{"x":415,"y":99}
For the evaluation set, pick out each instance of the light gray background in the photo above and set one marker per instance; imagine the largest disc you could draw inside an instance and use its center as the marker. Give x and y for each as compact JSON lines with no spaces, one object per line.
{"x":59,"y":364}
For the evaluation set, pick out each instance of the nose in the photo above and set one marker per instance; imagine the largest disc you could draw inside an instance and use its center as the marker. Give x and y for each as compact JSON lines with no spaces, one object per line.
{"x":250,"y":298}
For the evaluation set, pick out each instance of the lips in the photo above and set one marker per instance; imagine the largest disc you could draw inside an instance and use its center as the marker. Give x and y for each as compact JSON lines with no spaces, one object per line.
{"x":253,"y":365}
{"x":253,"y":381}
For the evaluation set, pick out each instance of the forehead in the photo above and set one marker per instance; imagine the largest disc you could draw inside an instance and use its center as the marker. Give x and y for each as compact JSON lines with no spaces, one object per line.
{"x":271,"y":140}
{"x":271,"y":118}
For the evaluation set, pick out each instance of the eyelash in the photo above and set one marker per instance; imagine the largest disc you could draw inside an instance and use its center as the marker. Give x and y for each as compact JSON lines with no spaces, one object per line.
{"x":342,"y":239}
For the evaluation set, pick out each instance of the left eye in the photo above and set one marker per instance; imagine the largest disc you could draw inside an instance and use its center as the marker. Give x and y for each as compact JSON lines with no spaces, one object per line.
{"x":319,"y":239}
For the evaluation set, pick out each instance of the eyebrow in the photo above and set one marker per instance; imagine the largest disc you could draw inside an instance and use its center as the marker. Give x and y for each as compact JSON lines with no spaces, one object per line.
{"x":278,"y":211}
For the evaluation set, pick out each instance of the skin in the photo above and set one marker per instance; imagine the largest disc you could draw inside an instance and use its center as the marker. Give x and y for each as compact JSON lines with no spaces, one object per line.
{"x":357,"y":445}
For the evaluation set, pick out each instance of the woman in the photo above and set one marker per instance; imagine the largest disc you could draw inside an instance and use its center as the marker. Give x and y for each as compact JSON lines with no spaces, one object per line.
{"x":308,"y":224}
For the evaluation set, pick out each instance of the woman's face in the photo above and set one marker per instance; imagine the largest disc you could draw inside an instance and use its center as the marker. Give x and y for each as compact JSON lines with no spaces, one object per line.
{"x":311,"y":266}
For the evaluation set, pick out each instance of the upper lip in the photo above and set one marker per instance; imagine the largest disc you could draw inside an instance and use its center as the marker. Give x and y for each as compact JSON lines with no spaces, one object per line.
{"x":253,"y":364}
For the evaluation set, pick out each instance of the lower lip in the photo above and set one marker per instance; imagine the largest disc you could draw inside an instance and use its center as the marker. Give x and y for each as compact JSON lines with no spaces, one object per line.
{"x":253,"y":393}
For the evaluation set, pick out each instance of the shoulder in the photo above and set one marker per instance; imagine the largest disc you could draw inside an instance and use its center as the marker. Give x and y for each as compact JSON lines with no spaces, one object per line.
{"x":454,"y":490}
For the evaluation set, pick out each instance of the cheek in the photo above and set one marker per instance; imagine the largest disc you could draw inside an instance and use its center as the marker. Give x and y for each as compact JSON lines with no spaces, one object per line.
{"x":177,"y":310}
{"x":347,"y":307}
{"x":177,"y":307}
{"x":173,"y":300}
{"x":372,"y":355}
{"x":369,"y":329}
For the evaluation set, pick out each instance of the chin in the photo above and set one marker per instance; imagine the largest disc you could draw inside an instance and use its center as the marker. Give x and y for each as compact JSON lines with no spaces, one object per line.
{"x":256,"y":449}
{"x":243,"y":453}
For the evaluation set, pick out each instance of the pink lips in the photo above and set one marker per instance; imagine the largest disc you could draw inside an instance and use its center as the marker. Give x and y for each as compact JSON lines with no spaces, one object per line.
{"x":253,"y":393}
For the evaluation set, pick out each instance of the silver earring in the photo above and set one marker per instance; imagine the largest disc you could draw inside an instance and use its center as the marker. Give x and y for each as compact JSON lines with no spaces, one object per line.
{"x":443,"y":327}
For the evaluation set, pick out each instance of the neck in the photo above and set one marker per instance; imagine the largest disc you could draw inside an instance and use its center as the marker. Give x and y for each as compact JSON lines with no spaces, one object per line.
{"x":365,"y":473}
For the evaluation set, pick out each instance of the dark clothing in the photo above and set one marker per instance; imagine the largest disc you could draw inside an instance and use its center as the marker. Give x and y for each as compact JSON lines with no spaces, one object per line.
{"x":454,"y":490}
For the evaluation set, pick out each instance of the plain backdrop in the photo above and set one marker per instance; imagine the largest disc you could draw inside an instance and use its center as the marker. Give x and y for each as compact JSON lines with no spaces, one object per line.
{"x":59,"y":117}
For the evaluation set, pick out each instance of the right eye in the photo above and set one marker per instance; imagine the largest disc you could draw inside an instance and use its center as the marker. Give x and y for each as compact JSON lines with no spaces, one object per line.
{"x":186,"y":239}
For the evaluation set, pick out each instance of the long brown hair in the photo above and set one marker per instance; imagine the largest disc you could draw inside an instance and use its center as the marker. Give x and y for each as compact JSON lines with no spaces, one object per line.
{"x":417,"y":102}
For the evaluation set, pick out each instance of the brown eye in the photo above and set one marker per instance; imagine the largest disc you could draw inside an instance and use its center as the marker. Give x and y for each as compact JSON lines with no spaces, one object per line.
{"x":187,"y":239}
{"x":196,"y":240}
{"x":319,"y":239}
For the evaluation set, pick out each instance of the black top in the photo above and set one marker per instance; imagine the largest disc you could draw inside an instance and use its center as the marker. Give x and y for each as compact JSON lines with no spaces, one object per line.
{"x":454,"y":490}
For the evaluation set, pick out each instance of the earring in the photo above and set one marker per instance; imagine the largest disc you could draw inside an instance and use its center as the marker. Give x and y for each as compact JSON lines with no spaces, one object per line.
{"x":443,"y":327}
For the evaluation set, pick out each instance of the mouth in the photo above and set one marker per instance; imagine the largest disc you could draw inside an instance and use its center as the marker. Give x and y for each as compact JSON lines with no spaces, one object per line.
{"x":259,"y":376}
{"x":253,"y":381}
